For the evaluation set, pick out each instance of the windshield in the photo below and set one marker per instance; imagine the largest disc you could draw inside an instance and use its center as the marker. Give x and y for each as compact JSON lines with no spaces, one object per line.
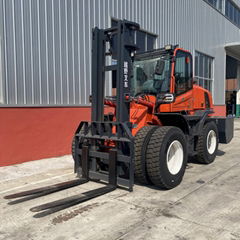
{"x":151,"y":76}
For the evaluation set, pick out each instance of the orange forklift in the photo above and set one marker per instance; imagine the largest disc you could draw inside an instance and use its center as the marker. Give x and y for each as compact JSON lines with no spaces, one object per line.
{"x":145,"y":133}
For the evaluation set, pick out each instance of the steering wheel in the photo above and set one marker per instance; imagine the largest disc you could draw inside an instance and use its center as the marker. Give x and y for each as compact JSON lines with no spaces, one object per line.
{"x":140,"y":94}
{"x":157,"y":83}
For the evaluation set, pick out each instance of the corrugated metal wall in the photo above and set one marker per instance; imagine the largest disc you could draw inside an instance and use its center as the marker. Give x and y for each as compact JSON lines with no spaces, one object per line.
{"x":46,"y":44}
{"x":47,"y":51}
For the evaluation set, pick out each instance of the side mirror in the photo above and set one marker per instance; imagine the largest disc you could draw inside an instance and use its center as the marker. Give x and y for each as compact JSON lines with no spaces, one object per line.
{"x":160,"y":67}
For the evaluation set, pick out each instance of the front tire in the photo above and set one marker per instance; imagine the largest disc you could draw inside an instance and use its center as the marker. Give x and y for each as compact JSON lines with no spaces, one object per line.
{"x":207,"y":144}
{"x":167,"y":157}
{"x":141,"y":142}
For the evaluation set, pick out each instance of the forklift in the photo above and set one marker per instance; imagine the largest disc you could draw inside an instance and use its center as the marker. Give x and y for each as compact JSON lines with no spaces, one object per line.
{"x":147,"y":132}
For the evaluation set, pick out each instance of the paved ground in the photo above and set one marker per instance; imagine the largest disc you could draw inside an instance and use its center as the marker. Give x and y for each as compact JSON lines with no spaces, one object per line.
{"x":205,"y":206}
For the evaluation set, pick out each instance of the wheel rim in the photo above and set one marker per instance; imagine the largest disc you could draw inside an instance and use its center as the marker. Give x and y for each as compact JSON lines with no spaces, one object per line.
{"x":211,"y":142}
{"x":175,"y":157}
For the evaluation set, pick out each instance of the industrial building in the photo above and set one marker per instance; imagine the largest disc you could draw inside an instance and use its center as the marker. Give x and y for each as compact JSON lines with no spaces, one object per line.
{"x":45,"y":62}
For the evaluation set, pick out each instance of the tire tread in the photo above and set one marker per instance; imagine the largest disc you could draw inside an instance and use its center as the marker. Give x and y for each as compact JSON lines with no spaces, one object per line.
{"x":200,"y":147}
{"x":153,"y":164}
{"x":141,"y":141}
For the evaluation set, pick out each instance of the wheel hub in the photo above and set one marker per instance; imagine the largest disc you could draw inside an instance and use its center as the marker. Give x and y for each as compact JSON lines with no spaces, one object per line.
{"x":175,"y":157}
{"x":211,"y":142}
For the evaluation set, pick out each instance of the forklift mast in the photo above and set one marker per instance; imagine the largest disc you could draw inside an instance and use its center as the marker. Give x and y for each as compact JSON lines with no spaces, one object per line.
{"x":91,"y":137}
{"x":123,"y":34}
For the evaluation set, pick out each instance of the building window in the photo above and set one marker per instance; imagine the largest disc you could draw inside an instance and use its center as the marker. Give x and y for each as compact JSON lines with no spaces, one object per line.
{"x":141,"y":41}
{"x":204,"y":70}
{"x":151,"y":40}
{"x":218,"y":4}
{"x":144,"y":40}
{"x":232,"y":11}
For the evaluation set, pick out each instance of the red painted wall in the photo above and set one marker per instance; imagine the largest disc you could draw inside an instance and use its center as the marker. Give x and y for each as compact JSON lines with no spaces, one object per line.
{"x":33,"y":133}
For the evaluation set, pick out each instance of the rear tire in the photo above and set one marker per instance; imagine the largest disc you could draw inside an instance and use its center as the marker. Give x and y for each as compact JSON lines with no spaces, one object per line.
{"x":207,"y":144}
{"x":166,"y":157}
{"x":141,"y":142}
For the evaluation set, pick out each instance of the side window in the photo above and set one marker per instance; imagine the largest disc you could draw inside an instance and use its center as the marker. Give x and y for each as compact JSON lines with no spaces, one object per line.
{"x":183,"y":72}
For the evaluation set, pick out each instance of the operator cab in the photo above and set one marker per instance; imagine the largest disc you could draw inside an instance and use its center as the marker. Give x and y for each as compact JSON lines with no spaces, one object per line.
{"x":162,"y":72}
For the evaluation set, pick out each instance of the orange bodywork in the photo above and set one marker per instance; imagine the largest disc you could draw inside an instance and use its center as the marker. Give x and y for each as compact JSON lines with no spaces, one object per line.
{"x":189,"y":102}
{"x":142,"y":115}
{"x":142,"y":109}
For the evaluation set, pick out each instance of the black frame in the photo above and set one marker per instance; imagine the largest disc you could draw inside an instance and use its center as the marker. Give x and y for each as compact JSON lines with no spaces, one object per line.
{"x":98,"y":130}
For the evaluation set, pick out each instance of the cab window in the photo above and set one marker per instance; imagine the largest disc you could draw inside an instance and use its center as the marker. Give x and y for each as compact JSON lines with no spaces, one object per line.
{"x":183,"y":72}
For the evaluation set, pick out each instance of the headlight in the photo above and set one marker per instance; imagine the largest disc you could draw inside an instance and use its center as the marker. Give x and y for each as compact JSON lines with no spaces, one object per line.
{"x":165,"y":98}
{"x":168,"y":98}
{"x":168,"y":47}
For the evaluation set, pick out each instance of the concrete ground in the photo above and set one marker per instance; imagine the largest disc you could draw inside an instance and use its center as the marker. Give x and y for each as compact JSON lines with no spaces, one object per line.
{"x":205,"y":206}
